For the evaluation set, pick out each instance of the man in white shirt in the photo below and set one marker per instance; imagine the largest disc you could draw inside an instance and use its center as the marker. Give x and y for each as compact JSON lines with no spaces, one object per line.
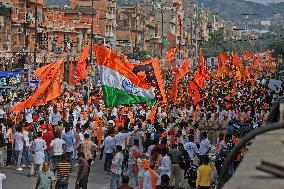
{"x":205,"y":146}
{"x":109,"y":147}
{"x":38,"y":147}
{"x":55,"y":117}
{"x":19,"y":146}
{"x":191,"y":148}
{"x":57,"y":146}
{"x":120,"y":138}
{"x":165,"y":167}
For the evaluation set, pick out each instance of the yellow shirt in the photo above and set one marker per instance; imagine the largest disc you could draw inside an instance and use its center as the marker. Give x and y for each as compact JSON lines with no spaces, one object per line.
{"x":204,"y":175}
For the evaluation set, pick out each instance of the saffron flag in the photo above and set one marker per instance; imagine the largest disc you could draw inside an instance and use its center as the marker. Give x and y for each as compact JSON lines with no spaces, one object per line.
{"x":247,"y":55}
{"x":180,"y":73}
{"x":174,"y":90}
{"x":236,"y":60}
{"x":152,"y":114}
{"x":170,"y":54}
{"x":49,"y":71}
{"x":120,"y":85}
{"x":151,"y":73}
{"x":200,"y":74}
{"x":48,"y":91}
{"x":194,"y":93}
{"x":81,"y":69}
{"x":222,"y":58}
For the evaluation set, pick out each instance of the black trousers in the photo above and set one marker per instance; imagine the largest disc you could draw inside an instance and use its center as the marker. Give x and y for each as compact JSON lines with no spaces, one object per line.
{"x":204,"y":187}
{"x":83,"y":183}
{"x":9,"y":153}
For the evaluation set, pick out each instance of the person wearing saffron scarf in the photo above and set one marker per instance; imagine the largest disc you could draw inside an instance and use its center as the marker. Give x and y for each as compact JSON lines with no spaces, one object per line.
{"x":150,"y":178}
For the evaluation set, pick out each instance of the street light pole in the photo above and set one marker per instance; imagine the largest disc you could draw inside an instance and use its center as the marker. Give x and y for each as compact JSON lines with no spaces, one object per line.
{"x":91,"y":57}
{"x":196,"y":27}
{"x":35,"y":50}
{"x":162,"y":37}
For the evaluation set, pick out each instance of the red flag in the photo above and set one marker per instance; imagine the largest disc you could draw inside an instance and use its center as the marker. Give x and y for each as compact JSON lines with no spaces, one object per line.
{"x":194,"y":93}
{"x":171,"y":38}
{"x":236,"y":60}
{"x":247,"y":55}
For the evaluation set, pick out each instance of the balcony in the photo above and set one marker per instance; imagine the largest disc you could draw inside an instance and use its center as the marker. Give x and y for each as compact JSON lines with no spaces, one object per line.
{"x":40,"y":2}
{"x":150,"y":23}
{"x":109,"y":34}
{"x":110,"y":16}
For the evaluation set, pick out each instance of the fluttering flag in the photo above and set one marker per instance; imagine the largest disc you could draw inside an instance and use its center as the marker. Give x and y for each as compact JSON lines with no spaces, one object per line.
{"x":48,"y":72}
{"x":81,"y":69}
{"x":236,"y":60}
{"x":247,"y":55}
{"x":152,"y":114}
{"x":200,"y":74}
{"x":150,"y":72}
{"x":120,"y":85}
{"x":170,"y":54}
{"x":180,"y":73}
{"x":222,"y":59}
{"x":50,"y":89}
{"x":194,"y":93}
{"x":171,"y":38}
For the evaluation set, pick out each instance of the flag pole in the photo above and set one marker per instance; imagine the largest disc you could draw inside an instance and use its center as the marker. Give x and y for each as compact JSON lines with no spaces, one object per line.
{"x":91,"y":59}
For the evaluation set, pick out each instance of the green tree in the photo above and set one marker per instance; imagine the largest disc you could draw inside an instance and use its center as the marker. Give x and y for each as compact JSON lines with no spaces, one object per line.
{"x":217,"y":44}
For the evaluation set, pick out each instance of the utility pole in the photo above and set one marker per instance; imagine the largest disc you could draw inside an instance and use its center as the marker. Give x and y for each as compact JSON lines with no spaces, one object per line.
{"x":35,"y":50}
{"x":196,"y":30}
{"x":162,"y":37}
{"x":91,"y":56}
{"x":180,"y":37}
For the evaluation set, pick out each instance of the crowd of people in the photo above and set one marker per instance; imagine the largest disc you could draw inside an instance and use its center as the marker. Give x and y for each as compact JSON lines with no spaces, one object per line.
{"x":159,"y":153}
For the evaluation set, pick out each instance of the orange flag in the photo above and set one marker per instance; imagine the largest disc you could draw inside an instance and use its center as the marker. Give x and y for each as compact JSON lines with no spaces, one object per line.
{"x":48,"y":90}
{"x":200,"y":74}
{"x":247,"y":55}
{"x":194,"y":93}
{"x":180,"y":73}
{"x":236,"y":60}
{"x":152,"y":115}
{"x":170,"y":54}
{"x":81,"y":68}
{"x":234,"y":90}
{"x":174,"y":90}
{"x":48,"y":72}
{"x":183,"y":70}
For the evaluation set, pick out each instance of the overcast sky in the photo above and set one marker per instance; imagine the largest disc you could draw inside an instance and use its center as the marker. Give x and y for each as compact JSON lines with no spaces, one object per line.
{"x":266,"y":1}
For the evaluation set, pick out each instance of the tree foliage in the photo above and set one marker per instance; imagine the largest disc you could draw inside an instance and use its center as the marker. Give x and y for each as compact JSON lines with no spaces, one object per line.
{"x":218,"y":44}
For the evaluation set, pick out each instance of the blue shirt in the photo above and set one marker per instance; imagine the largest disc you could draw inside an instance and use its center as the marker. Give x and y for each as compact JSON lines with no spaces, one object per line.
{"x":70,"y":141}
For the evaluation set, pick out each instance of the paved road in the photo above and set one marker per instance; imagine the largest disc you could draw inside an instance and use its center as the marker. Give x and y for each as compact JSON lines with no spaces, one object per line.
{"x":20,"y":180}
{"x":97,"y":178}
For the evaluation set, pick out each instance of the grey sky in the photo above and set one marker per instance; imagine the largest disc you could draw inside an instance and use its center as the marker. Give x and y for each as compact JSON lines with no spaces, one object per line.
{"x":266,"y":1}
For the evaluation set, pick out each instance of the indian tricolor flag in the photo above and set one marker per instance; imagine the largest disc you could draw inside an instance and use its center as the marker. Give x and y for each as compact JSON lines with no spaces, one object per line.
{"x":120,"y":85}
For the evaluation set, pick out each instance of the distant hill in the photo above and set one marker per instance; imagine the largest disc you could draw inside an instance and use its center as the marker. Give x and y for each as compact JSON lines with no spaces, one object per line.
{"x":232,"y":9}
